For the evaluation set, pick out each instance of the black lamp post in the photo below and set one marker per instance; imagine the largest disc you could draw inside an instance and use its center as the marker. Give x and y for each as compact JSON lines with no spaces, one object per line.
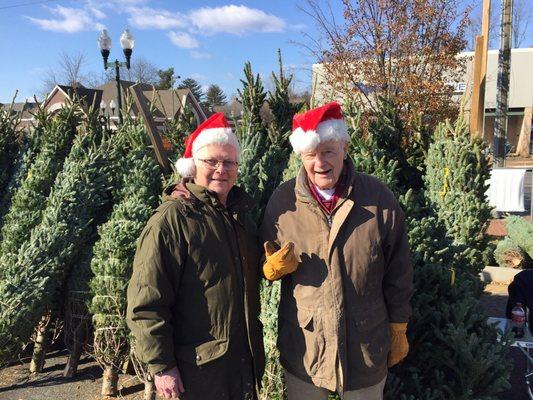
{"x":127,"y":42}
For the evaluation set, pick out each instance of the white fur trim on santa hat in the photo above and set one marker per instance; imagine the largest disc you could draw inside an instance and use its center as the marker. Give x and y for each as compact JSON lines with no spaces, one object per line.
{"x":185,"y":167}
{"x":332,"y":129}
{"x":215,"y":136}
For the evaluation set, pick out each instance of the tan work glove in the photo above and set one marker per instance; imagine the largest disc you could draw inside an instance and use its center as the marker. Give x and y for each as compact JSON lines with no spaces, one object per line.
{"x":399,"y":344}
{"x":279,"y":263}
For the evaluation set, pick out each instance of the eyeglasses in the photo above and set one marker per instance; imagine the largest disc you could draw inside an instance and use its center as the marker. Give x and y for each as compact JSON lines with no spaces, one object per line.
{"x":214,"y":164}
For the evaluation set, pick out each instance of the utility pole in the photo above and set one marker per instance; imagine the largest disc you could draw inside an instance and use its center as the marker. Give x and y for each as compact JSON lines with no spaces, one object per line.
{"x":477,"y":105}
{"x":504,"y":65}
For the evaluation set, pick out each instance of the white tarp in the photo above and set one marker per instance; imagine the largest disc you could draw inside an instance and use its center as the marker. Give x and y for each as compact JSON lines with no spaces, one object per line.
{"x":506,"y":190}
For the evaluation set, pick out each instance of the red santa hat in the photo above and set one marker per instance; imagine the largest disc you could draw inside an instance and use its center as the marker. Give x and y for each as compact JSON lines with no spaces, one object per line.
{"x":214,"y":130}
{"x":318,"y":125}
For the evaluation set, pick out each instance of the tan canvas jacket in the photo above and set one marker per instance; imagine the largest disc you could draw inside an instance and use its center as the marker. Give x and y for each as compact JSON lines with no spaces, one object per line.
{"x":354,"y":277}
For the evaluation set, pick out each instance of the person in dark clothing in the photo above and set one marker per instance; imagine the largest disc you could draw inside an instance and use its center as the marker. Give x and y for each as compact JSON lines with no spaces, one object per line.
{"x":521,"y":291}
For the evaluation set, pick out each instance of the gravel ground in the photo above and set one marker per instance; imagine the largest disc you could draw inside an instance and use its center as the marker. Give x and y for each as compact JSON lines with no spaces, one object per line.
{"x":16,"y":383}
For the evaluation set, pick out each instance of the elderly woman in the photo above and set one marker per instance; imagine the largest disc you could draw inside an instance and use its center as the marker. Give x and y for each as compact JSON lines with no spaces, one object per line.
{"x":345,"y":269}
{"x":193,"y":298}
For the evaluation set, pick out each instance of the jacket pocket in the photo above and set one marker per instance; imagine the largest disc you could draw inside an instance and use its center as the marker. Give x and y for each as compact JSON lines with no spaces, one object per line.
{"x":301,"y":341}
{"x":203,"y":353}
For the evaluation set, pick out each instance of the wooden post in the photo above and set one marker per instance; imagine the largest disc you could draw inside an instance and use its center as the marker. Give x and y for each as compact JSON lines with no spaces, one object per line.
{"x":504,"y":66}
{"x":155,"y":137}
{"x":483,"y":77}
{"x":475,"y":106}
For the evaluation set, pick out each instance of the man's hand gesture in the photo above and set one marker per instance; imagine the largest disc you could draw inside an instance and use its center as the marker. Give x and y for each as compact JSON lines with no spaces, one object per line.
{"x":281,"y":262}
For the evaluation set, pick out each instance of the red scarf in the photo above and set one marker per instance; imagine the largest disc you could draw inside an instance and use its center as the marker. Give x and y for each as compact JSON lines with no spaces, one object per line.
{"x":327,"y":205}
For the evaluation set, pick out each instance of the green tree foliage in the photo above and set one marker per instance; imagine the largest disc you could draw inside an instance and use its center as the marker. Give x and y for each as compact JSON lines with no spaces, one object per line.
{"x":276,"y":158}
{"x":510,"y":255}
{"x":520,"y":232}
{"x":457,"y":169}
{"x":28,"y":203}
{"x":367,"y":154}
{"x":252,"y":133}
{"x":114,"y":251}
{"x":293,"y":166}
{"x":77,"y":322}
{"x":31,"y":144}
{"x":178,"y":129}
{"x":9,"y":121}
{"x":166,"y":78}
{"x":34,"y":277}
{"x":214,"y":97}
{"x":453,"y":354}
{"x":194,"y":87}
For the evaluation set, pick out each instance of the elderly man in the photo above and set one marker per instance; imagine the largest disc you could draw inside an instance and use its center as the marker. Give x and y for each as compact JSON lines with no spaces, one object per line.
{"x":345,"y":268}
{"x":193,"y":299}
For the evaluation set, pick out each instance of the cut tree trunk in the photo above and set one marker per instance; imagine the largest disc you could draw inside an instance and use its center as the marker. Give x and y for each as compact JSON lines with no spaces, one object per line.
{"x":78,"y":342}
{"x":149,"y":390}
{"x":73,"y":360}
{"x":41,"y":344}
{"x":110,"y":381}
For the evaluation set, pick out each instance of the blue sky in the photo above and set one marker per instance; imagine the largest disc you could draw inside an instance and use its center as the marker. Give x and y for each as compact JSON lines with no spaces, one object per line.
{"x":207,"y":40}
{"x":204,"y":39}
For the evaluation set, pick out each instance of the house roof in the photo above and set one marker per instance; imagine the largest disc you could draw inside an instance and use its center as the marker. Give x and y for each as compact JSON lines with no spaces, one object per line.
{"x":23,"y":107}
{"x":166,"y":103}
{"x":89,"y":97}
{"x":109,"y":92}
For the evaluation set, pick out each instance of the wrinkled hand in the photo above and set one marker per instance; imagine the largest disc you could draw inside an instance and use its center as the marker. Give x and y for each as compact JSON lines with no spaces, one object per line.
{"x":168,"y":384}
{"x":399,"y":343}
{"x":279,"y":263}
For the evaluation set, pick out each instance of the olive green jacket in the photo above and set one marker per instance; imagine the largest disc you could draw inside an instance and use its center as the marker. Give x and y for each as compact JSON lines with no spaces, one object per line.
{"x":195,"y":284}
{"x":354,"y":277}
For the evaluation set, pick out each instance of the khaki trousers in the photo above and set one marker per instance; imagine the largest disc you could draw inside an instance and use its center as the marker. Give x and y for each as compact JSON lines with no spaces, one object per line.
{"x":301,"y":390}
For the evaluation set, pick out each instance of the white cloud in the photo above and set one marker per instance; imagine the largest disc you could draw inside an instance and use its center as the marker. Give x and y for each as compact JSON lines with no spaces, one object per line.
{"x":236,"y":20}
{"x":70,"y":20}
{"x":198,"y":55}
{"x":198,"y":77}
{"x":298,"y":27}
{"x":183,"y":40}
{"x":97,"y":12}
{"x":151,"y":18}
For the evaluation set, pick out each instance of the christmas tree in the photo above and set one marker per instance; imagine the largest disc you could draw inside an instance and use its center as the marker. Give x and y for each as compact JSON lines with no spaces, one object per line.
{"x":9,"y":121}
{"x":77,"y":327}
{"x":367,"y":153}
{"x":457,"y":172}
{"x":113,"y":256}
{"x":28,"y":202}
{"x":31,"y":143}
{"x":251,"y":133}
{"x":276,"y":158}
{"x":33,"y":278}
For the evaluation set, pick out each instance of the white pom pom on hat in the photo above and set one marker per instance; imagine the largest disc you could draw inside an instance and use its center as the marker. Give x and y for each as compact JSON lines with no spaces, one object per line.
{"x":316,"y":126}
{"x":214,"y":130}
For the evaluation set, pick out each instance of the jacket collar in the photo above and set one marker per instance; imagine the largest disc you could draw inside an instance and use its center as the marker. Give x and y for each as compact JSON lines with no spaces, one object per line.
{"x":238,"y":200}
{"x":303,"y":192}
